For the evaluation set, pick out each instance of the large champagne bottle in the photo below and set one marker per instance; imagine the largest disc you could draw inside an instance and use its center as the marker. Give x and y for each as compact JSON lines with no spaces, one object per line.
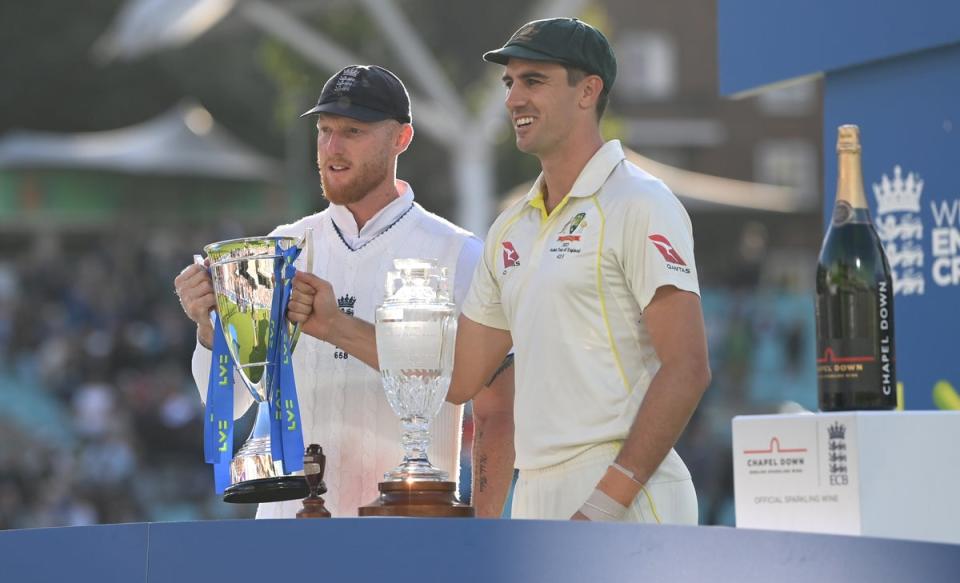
{"x":854,"y":307}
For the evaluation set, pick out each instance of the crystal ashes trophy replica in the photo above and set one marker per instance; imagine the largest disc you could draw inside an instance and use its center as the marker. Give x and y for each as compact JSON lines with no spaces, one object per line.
{"x":416,"y":329}
{"x":252,"y":279}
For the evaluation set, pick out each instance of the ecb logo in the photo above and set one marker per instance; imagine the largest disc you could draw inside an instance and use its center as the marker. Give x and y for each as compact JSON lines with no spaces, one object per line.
{"x":840,"y":480}
{"x":901,"y":229}
{"x":837,"y":454}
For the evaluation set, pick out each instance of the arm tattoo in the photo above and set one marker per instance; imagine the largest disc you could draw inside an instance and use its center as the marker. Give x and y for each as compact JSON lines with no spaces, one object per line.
{"x":481,"y":472}
{"x":481,"y":465}
{"x":507,"y":363}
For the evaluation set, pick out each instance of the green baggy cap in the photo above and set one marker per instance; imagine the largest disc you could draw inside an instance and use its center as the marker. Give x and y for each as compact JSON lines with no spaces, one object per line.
{"x":567,"y":41}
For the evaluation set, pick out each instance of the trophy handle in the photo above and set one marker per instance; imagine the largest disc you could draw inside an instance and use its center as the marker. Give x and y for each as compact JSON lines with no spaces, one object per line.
{"x":199,"y":260}
{"x":305,"y":246}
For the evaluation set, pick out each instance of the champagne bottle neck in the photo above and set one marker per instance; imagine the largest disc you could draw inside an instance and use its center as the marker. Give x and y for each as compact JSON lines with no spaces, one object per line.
{"x":850,"y":180}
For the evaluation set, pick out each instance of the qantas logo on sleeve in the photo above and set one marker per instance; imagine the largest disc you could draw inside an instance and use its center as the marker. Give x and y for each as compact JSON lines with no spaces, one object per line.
{"x":510,"y":256}
{"x":666,"y":249}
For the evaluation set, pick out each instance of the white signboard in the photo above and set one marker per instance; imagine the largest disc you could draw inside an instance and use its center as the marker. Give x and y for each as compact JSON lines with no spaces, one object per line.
{"x":881,"y":473}
{"x":796,"y":473}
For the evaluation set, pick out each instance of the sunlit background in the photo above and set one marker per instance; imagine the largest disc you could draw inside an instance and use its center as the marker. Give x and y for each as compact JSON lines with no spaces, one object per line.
{"x":133,"y":132}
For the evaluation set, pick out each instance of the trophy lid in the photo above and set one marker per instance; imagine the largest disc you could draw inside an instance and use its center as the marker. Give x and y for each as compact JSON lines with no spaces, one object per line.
{"x":416,"y":280}
{"x":415,"y":266}
{"x":264,"y":247}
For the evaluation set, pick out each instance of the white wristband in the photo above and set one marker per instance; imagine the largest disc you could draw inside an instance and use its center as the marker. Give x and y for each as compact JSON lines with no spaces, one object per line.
{"x":626,"y":472}
{"x":602,"y":508}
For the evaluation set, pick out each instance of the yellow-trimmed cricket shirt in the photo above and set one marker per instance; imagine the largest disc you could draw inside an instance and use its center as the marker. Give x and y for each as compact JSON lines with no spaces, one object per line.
{"x":571,"y":287}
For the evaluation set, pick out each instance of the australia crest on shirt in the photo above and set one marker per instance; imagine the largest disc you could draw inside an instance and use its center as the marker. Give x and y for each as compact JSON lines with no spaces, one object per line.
{"x":568,"y":239}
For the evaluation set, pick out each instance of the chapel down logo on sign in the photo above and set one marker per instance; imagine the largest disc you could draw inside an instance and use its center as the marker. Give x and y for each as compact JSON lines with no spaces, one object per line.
{"x":776,"y":459}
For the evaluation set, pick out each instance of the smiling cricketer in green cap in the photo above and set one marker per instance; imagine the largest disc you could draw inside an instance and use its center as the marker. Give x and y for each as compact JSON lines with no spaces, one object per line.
{"x":591,"y":279}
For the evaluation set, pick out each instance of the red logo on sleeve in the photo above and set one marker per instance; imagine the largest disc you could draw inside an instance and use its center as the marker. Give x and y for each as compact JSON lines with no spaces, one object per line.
{"x":510,"y":256}
{"x":666,"y":249}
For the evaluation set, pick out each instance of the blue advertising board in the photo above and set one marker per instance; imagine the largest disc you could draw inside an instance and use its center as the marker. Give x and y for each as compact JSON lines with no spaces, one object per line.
{"x":908,"y":110}
{"x":891,"y":67}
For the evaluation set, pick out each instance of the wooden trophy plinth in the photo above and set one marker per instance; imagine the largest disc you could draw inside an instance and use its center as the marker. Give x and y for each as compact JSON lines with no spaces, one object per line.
{"x":313,"y":508}
{"x":314,"y":463}
{"x":418,"y":499}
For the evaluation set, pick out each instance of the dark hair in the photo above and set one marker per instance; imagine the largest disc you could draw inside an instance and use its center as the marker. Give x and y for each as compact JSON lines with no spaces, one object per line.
{"x":576,"y":75}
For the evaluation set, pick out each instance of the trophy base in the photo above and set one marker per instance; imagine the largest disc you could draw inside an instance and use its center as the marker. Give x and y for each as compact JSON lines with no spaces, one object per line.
{"x":419,"y":470}
{"x":417,"y":499}
{"x":313,"y":508}
{"x":275,"y":489}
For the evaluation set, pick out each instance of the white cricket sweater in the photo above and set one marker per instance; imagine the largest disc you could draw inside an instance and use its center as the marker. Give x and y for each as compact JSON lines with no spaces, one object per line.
{"x":343,"y":407}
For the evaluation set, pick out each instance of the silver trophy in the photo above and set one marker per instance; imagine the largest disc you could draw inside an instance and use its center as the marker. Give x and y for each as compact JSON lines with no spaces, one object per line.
{"x":246,"y":287}
{"x":416,"y":328}
{"x":416,"y":331}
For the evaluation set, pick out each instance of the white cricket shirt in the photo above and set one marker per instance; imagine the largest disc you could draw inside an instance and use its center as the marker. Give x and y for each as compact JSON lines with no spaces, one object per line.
{"x":342,"y":403}
{"x":571,"y":288}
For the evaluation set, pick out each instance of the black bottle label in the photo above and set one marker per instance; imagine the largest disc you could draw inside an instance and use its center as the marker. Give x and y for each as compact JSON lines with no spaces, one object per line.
{"x":855,"y":353}
{"x":842,"y":363}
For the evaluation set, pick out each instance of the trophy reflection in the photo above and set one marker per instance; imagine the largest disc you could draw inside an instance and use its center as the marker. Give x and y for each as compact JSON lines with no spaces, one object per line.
{"x":416,"y":328}
{"x":248,"y":283}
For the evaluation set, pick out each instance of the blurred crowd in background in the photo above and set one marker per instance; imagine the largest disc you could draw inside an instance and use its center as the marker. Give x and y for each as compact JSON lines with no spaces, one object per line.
{"x":100,"y":421}
{"x":103,"y":420}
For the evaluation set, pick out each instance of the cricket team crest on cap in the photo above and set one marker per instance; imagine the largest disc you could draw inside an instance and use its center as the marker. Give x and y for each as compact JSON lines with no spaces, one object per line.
{"x":527,"y":32}
{"x":346,"y":80}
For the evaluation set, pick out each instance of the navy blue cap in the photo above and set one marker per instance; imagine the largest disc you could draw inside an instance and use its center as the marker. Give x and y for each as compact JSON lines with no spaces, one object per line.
{"x":366,"y":93}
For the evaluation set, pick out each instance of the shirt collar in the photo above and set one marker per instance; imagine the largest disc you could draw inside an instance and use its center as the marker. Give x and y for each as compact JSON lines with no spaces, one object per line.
{"x":591,"y":178}
{"x":378,"y":223}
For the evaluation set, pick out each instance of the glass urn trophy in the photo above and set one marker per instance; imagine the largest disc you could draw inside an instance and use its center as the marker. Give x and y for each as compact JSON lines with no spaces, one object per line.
{"x":251,"y":282}
{"x":416,"y":330}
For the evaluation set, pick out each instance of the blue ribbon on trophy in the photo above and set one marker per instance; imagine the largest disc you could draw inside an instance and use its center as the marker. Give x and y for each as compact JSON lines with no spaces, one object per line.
{"x":218,"y":414}
{"x":218,"y":410}
{"x":287,"y":407}
{"x":284,"y":409}
{"x":273,"y":389}
{"x":286,"y":434}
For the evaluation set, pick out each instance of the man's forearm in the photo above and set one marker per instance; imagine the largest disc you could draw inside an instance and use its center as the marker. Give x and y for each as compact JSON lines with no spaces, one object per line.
{"x":670,"y":401}
{"x":480,"y":350}
{"x":493,"y":452}
{"x":674,"y":321}
{"x":493,"y":457}
{"x":357,"y":338}
{"x":205,"y":335}
{"x":671,"y":398}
